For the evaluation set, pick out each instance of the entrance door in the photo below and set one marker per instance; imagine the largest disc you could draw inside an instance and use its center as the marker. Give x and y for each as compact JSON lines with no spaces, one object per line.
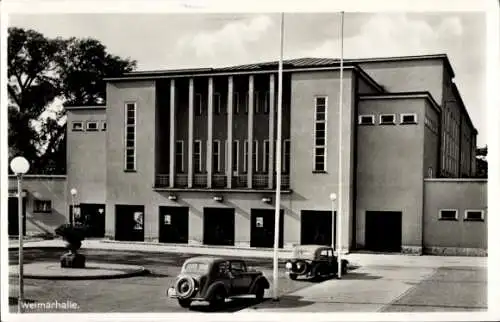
{"x":262,"y":228}
{"x":316,"y":227}
{"x":129,"y":222}
{"x":92,"y":215}
{"x":383,"y":231}
{"x":13,"y":218}
{"x":218,"y":226}
{"x":174,"y":225}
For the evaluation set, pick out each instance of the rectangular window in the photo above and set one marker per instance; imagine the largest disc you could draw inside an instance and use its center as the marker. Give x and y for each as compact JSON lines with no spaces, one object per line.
{"x":130,"y":137}
{"x":216,"y":156}
{"x":266,"y":103}
{"x":92,"y":126}
{"x":217,"y":106}
{"x":247,"y":102}
{"x":198,"y":108}
{"x":77,"y":126}
{"x":236,"y":155}
{"x":474,"y":215}
{"x":255,"y":156}
{"x":285,"y":168}
{"x":197,"y":156}
{"x":408,"y":118}
{"x":366,"y":120}
{"x":320,"y":119}
{"x":179,"y":156}
{"x":103,"y":125}
{"x":42,"y":205}
{"x":448,"y":214}
{"x":236,"y":103}
{"x":256,"y":102}
{"x":387,"y":119}
{"x":265,"y":161}
{"x":245,"y":155}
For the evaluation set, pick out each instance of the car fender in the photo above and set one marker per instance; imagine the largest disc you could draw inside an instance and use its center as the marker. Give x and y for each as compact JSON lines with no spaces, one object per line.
{"x":216,"y":285}
{"x":259,"y":279}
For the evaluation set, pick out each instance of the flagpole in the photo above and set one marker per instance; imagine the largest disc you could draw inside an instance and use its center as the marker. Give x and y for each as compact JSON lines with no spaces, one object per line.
{"x":278,"y":165}
{"x":339,"y":212}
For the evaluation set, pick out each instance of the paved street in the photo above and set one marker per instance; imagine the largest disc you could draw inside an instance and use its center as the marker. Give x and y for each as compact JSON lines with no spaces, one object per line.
{"x":134,"y":294}
{"x":404,"y":283}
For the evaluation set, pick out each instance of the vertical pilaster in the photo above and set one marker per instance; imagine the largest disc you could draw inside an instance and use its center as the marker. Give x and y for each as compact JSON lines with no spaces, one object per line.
{"x":271,"y":132}
{"x":171,"y":173}
{"x":210,"y":131}
{"x":229,"y":165}
{"x":190,"y":132}
{"x":250,"y":133}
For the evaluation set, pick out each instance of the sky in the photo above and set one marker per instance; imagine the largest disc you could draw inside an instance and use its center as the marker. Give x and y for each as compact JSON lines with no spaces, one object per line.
{"x":162,"y":41}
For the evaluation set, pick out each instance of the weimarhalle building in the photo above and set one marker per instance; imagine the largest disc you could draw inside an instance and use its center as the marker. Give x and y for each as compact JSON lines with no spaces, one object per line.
{"x":188,"y":156}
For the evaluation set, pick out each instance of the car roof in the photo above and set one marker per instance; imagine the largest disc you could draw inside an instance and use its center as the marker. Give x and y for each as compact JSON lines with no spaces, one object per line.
{"x":205,"y":259}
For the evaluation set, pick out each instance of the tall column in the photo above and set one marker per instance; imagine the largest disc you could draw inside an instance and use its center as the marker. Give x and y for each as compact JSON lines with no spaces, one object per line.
{"x":250,"y":133}
{"x":171,"y":174}
{"x":229,"y":165}
{"x":210,"y":131}
{"x":271,"y":132}
{"x":190,"y":133}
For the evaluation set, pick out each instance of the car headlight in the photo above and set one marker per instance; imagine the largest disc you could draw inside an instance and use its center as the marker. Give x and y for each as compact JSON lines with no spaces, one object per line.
{"x":288,"y":265}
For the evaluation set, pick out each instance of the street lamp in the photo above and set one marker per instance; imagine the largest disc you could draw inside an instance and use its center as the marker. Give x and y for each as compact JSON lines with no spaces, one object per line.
{"x":73,"y":192}
{"x":333,"y":198}
{"x":20,"y":166}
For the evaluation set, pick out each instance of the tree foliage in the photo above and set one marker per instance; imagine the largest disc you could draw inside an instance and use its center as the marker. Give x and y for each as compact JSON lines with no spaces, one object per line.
{"x":42,"y":70}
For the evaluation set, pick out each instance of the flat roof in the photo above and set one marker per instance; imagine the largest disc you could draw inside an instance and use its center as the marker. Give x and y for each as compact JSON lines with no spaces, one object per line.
{"x":403,"y":95}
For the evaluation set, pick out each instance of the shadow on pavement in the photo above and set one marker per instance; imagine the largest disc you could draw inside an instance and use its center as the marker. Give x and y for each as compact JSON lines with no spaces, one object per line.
{"x":285,"y":301}
{"x":360,"y":276}
{"x":231,"y":306}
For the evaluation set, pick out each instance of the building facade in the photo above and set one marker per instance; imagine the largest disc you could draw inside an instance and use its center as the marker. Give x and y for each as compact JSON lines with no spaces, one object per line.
{"x":188,"y":156}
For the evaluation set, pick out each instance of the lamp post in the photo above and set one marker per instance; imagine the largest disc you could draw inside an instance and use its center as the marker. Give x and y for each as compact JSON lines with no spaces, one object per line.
{"x":278,"y":165}
{"x":73,"y":192}
{"x":333,"y":198}
{"x":20,"y":166}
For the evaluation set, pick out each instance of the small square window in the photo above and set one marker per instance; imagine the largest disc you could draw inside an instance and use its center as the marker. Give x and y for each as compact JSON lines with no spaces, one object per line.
{"x":448,"y":214}
{"x":474,"y":215}
{"x":77,"y":126}
{"x":42,"y":206}
{"x":103,"y":125}
{"x":366,"y":120}
{"x":92,"y":126}
{"x":387,"y":119}
{"x":408,"y":118}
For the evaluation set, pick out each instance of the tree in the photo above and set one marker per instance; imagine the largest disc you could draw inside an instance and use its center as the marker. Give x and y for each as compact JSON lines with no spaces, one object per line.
{"x":41,"y":70}
{"x":482,"y":162}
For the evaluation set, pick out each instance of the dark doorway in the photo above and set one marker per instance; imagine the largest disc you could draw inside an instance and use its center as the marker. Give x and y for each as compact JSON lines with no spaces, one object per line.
{"x":262,"y":228}
{"x":218,"y":226}
{"x":316,"y":227}
{"x":129,"y":222}
{"x":13,"y":218}
{"x":92,"y":215}
{"x":174,"y":225}
{"x":383,"y":231}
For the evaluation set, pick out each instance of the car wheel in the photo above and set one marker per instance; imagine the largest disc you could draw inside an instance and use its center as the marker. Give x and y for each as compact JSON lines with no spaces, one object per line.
{"x":259,"y":292}
{"x":185,"y":303}
{"x":218,"y":298}
{"x":292,"y":276}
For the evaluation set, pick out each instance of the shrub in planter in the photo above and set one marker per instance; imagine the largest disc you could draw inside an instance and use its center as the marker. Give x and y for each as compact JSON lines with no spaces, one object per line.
{"x":73,"y":236}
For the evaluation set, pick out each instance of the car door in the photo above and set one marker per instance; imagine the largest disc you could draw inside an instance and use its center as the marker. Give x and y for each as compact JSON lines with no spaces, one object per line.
{"x":240,"y":279}
{"x":323,"y":263}
{"x":331,"y":261}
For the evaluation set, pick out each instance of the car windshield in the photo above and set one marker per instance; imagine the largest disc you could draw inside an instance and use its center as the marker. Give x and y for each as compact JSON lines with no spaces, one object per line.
{"x":303,"y":253}
{"x":196,"y":267}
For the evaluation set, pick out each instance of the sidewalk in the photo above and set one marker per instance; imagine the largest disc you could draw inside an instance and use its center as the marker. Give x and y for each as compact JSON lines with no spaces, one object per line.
{"x":357,"y":259}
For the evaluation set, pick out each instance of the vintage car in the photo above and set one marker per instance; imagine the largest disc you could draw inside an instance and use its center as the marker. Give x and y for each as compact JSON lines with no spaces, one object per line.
{"x":214,"y":279}
{"x":313,"y":261}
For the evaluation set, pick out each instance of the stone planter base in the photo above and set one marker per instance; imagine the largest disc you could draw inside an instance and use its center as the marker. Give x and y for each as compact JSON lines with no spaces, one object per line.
{"x":71,"y":260}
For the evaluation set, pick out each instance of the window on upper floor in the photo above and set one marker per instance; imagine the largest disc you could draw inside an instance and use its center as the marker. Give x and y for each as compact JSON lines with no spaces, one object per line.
{"x":387,"y":119}
{"x":408,"y":118}
{"x":130,"y":137}
{"x":92,"y":126}
{"x":198,"y":106}
{"x":217,"y":106}
{"x":320,"y":135}
{"x":256,"y":102}
{"x":44,"y":206}
{"x":366,"y":119}
{"x":197,"y":153}
{"x":77,"y":126}
{"x":255,"y":158}
{"x":179,"y":156}
{"x":236,"y":103}
{"x":474,"y":215}
{"x":286,"y":156}
{"x":103,"y":125}
{"x":236,"y":156}
{"x":266,"y":103}
{"x":216,"y":156}
{"x":448,"y":214}
{"x":265,"y":159}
